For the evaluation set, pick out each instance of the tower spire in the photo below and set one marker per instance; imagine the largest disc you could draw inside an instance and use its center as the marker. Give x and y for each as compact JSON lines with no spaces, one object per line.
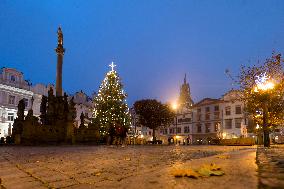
{"x":184,"y":80}
{"x":60,"y":52}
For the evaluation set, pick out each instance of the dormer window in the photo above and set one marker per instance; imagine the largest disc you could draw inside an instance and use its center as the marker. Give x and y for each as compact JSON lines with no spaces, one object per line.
{"x":13,"y":78}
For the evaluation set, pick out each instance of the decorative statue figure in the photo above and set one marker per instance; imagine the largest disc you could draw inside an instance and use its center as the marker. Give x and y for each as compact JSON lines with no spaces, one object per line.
{"x":60,"y":36}
{"x":72,"y":110}
{"x":66,"y":108}
{"x":43,"y":107}
{"x":21,"y":110}
{"x":51,"y":107}
{"x":82,"y":118}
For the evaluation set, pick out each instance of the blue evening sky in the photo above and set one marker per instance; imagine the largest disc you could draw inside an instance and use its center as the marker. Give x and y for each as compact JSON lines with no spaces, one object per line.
{"x":153,"y":42}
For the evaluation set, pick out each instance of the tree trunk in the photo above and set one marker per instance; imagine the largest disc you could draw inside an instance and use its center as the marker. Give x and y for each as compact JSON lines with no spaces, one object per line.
{"x":266,"y":140}
{"x":154,"y":137}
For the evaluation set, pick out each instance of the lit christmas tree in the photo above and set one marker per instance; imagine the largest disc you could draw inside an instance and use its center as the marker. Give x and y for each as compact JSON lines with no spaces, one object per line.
{"x":111,"y":112}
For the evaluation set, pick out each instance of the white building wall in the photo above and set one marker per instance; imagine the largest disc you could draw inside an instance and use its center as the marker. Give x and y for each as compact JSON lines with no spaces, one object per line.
{"x":12,"y":86}
{"x":232,"y":101}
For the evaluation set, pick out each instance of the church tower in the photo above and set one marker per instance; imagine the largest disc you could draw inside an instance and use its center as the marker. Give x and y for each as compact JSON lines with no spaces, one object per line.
{"x":185,"y":100}
{"x":60,"y":52}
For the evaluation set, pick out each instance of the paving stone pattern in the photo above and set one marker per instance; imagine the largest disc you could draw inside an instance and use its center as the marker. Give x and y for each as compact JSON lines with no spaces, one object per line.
{"x":271,"y":167}
{"x":99,"y":166}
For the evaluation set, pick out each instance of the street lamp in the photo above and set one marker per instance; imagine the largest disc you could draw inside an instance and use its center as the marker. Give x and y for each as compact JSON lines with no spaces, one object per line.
{"x":264,"y":84}
{"x":175,"y":107}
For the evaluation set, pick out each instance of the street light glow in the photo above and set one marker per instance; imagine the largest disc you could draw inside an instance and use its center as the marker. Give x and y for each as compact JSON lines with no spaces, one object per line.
{"x":257,"y":126}
{"x":263,"y":83}
{"x":174,"y":105}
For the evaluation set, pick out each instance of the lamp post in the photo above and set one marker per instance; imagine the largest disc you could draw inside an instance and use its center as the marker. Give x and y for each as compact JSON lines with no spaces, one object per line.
{"x":263,"y":85}
{"x":175,"y":107}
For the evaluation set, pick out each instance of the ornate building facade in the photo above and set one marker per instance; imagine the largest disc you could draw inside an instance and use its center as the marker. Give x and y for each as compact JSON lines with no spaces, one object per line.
{"x":13,"y":88}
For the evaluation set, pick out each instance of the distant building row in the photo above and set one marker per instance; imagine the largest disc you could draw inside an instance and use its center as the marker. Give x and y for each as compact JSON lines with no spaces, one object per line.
{"x":201,"y":122}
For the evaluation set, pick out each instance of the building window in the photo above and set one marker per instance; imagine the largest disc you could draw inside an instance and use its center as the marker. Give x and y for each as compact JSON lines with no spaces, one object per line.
{"x":199,"y":110}
{"x":178,"y":130}
{"x":11,"y":99}
{"x":207,"y":116}
{"x":165,"y":131}
{"x":207,"y":127}
{"x":182,"y":120}
{"x":199,"y":128}
{"x":228,"y":110}
{"x":216,"y":108}
{"x":13,"y":78}
{"x":228,"y":123}
{"x":10,"y":117}
{"x":207,"y":109}
{"x":172,"y":130}
{"x":216,"y":115}
{"x":186,"y":129}
{"x":238,"y":109}
{"x":238,"y":122}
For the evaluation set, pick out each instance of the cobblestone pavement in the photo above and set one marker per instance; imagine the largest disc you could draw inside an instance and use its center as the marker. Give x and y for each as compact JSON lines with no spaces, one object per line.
{"x":121,"y":167}
{"x":271,"y":167}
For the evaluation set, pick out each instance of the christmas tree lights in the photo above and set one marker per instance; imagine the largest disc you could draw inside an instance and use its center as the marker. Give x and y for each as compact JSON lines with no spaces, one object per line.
{"x":111,"y":112}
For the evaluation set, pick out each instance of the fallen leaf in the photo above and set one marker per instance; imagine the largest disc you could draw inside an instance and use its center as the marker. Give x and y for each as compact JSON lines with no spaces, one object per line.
{"x":191,"y":173}
{"x":217,"y":173}
{"x":179,"y":172}
{"x":210,"y":170}
{"x":204,"y":172}
{"x":211,"y":167}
